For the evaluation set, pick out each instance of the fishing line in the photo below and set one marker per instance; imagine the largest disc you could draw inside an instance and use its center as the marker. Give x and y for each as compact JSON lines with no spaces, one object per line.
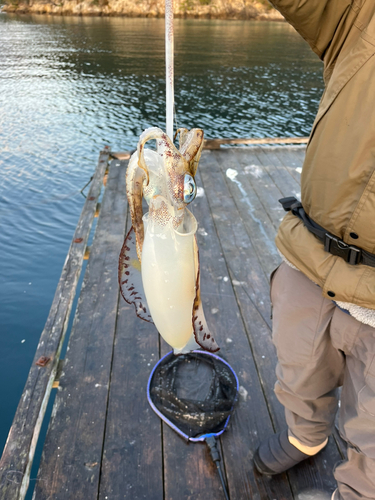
{"x":169,"y":67}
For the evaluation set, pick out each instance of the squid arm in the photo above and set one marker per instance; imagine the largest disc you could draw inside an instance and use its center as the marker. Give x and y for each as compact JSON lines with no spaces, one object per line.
{"x":191,"y":145}
{"x":135,"y":178}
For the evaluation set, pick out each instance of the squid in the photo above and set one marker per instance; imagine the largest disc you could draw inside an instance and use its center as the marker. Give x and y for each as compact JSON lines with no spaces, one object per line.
{"x":159,"y":270}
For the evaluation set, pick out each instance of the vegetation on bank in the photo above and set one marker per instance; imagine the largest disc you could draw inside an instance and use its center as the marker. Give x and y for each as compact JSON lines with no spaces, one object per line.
{"x":215,"y":9}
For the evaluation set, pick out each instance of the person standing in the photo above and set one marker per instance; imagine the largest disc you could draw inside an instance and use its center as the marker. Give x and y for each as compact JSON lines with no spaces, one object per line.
{"x":323,"y":294}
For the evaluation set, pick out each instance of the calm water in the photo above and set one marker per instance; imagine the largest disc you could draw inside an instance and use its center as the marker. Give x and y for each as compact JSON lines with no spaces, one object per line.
{"x":69,"y":86}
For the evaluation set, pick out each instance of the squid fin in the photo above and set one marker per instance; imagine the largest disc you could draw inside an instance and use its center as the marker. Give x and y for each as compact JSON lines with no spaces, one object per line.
{"x":130,"y":277}
{"x":203,"y":336}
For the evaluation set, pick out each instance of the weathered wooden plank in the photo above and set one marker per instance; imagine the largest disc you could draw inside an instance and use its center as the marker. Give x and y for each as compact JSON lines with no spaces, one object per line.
{"x":256,"y":177}
{"x":188,"y":470}
{"x":314,"y":473}
{"x":254,"y":219}
{"x":300,"y":153}
{"x":16,"y":461}
{"x":290,"y":161}
{"x":132,"y":464}
{"x":279,"y":174}
{"x":70,"y":465}
{"x":243,"y":252}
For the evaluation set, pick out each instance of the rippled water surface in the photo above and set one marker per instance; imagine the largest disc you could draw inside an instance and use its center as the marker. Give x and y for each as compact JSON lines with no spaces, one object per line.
{"x":69,"y":86}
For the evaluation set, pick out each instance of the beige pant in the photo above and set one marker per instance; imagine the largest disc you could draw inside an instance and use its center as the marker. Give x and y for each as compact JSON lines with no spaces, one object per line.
{"x":320,"y":348}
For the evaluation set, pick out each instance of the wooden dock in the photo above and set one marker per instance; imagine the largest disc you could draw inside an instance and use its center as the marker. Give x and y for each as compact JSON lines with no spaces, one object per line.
{"x":104,"y":441}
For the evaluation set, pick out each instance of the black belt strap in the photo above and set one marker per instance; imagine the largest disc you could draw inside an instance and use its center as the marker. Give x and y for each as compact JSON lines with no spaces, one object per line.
{"x":350,"y":253}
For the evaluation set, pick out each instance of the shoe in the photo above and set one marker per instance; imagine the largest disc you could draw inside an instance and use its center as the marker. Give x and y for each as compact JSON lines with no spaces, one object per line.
{"x":277,"y":454}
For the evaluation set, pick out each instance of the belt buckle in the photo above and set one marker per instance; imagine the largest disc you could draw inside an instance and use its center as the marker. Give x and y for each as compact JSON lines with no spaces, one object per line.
{"x":350,"y":253}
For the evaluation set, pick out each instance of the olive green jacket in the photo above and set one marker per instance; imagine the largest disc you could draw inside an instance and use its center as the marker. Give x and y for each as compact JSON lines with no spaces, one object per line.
{"x":338,"y":176}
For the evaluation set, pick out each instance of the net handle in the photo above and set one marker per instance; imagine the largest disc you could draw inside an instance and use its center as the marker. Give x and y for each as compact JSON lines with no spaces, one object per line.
{"x":169,"y":66}
{"x":216,"y":458}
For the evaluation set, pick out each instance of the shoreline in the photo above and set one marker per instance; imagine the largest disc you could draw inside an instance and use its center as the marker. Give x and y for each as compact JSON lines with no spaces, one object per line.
{"x":185,"y":9}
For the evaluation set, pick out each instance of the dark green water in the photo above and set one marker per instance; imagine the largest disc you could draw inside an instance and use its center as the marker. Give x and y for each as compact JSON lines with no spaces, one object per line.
{"x":69,"y":86}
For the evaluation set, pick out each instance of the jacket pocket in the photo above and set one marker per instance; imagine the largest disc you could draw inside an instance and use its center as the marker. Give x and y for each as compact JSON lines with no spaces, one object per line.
{"x":366,"y":396}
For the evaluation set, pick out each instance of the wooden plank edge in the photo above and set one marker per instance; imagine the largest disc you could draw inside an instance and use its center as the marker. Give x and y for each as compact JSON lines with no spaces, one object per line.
{"x":19,"y":489}
{"x":216,"y":143}
{"x":24,"y":485}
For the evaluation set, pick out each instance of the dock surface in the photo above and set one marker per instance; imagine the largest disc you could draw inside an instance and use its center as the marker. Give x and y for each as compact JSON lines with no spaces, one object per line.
{"x":104,"y":441}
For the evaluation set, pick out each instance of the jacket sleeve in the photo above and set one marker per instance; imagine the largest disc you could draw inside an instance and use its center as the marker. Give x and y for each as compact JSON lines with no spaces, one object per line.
{"x":318,"y":21}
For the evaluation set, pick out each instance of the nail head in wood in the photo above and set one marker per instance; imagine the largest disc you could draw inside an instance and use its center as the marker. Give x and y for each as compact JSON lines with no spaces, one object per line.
{"x":43,"y":361}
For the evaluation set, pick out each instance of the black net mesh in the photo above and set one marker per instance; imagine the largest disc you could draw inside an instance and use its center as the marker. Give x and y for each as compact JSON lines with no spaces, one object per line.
{"x":195,"y":392}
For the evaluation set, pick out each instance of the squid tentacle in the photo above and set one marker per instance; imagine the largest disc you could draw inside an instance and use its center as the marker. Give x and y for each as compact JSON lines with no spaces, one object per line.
{"x":148,"y":135}
{"x":191,"y":148}
{"x":135,"y":178}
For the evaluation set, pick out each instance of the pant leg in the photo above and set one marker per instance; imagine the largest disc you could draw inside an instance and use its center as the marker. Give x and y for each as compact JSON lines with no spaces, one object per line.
{"x":309,"y":368}
{"x":356,"y":476}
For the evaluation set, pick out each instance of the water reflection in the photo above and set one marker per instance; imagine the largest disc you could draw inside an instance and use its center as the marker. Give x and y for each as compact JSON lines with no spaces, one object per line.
{"x":71,"y":85}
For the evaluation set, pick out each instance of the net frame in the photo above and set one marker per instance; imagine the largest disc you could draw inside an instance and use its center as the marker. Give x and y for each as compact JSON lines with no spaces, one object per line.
{"x":202,"y":437}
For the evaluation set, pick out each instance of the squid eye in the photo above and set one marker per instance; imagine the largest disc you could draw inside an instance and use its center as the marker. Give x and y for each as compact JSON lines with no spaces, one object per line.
{"x":190,"y":189}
